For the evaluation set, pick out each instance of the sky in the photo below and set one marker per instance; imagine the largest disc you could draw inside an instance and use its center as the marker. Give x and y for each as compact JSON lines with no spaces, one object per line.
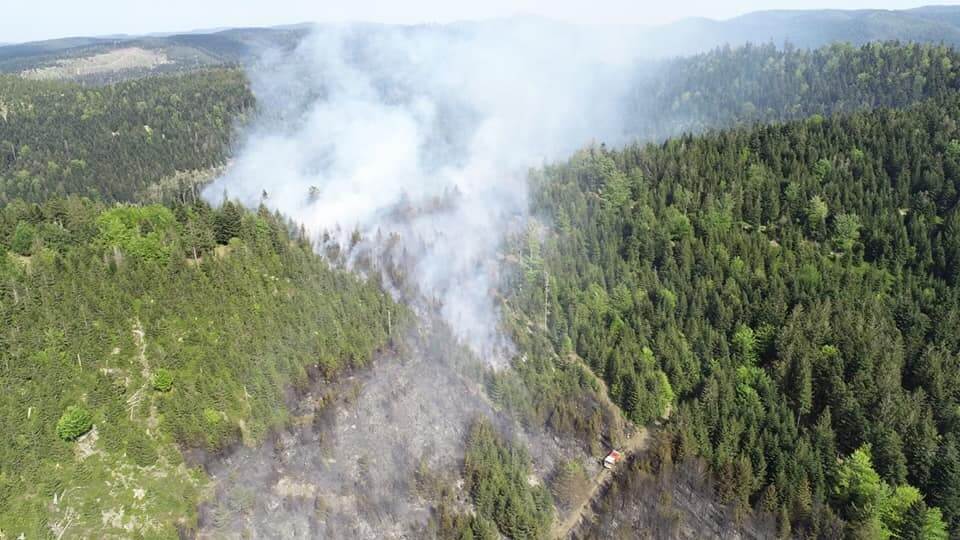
{"x":27,"y":20}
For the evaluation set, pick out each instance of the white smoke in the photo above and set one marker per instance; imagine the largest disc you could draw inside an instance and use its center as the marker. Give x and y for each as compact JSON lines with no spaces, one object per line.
{"x":359,"y":122}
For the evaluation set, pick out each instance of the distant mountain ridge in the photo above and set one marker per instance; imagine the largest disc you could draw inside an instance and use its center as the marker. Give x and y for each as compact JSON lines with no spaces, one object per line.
{"x":801,"y":28}
{"x":812,"y":28}
{"x":182,"y":52}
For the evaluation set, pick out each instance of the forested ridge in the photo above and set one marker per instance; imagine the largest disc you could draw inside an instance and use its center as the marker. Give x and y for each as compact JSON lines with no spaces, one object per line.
{"x":113,"y":142}
{"x":130,"y":332}
{"x":795,"y":287}
{"x":766,"y":83}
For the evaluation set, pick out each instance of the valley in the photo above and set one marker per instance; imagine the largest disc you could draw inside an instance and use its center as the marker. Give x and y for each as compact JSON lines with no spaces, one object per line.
{"x":418,"y":281}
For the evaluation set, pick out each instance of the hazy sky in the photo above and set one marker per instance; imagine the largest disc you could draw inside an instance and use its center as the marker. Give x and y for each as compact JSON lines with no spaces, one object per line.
{"x":24,"y":20}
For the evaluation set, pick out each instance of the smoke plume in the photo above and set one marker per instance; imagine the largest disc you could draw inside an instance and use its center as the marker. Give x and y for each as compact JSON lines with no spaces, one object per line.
{"x":424,"y":135}
{"x":404,"y":151}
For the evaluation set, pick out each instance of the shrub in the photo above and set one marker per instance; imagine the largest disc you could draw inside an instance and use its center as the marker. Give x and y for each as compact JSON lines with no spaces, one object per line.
{"x":212,"y":416}
{"x":162,"y":380}
{"x":75,"y":422}
{"x":141,"y":451}
{"x":571,"y":483}
{"x":137,"y":231}
{"x":22,"y":241}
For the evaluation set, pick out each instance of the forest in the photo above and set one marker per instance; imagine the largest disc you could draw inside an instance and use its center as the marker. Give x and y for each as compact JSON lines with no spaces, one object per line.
{"x":764,"y":83}
{"x":130,"y":333}
{"x":777,"y":284}
{"x":114,"y":142}
{"x":791,"y":292}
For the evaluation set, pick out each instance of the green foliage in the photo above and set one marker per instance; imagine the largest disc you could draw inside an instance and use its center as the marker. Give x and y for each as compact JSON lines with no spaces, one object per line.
{"x":227,"y":223}
{"x":846,"y":231}
{"x":677,"y":223}
{"x":858,"y":487}
{"x":766,"y":83}
{"x":876,"y":509}
{"x":744,"y":343}
{"x":162,"y":380}
{"x":453,"y":526}
{"x":22,"y":241}
{"x":141,"y":232}
{"x":212,"y":416}
{"x":74,"y":422}
{"x":113,"y":142}
{"x":221,"y":338}
{"x":945,"y":482}
{"x":141,"y":450}
{"x":816,"y":213}
{"x":704,"y":284}
{"x":822,"y":168}
{"x":780,"y":354}
{"x":497,"y":478}
{"x":922,"y":523}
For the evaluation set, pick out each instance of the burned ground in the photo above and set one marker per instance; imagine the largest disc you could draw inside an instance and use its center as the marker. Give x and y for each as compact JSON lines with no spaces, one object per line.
{"x":353,"y":461}
{"x":652,"y":499}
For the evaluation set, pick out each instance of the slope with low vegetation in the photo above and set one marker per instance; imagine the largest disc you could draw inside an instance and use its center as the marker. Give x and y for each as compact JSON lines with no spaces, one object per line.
{"x":99,"y":61}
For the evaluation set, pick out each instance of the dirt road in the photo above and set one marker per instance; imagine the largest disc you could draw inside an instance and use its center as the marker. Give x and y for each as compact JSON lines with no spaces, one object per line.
{"x":637,"y":443}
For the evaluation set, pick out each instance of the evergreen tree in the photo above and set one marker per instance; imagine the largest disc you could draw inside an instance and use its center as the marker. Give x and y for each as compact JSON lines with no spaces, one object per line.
{"x":227,"y":223}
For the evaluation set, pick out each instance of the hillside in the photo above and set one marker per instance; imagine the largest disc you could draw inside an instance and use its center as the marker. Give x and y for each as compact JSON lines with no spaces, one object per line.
{"x":117,"y":141}
{"x":131,"y":333}
{"x":60,"y":58}
{"x":809,"y":29}
{"x":638,"y":267}
{"x":782,"y":282}
{"x":764,"y":83}
{"x":758,"y":307}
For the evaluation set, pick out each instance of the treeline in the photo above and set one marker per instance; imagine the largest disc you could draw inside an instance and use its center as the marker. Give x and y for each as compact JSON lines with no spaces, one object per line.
{"x":766,"y":83}
{"x":128,"y":332}
{"x":497,"y":476}
{"x":113,"y":142}
{"x":790,"y":292}
{"x":497,"y":479}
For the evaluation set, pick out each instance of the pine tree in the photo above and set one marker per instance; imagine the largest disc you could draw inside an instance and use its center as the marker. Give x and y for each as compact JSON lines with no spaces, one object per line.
{"x":922,"y":523}
{"x":945,"y":483}
{"x":801,"y":385}
{"x":227,"y":223}
{"x":783,"y":523}
{"x":631,"y":397}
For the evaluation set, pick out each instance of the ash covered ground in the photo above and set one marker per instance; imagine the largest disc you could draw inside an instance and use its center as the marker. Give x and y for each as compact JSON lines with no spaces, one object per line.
{"x":668,"y":501}
{"x":347,"y":467}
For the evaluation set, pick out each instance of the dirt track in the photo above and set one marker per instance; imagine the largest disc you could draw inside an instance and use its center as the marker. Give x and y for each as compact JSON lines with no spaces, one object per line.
{"x":637,"y":443}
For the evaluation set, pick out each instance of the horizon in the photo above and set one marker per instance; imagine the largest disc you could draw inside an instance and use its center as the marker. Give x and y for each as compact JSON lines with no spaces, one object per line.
{"x":129,"y":23}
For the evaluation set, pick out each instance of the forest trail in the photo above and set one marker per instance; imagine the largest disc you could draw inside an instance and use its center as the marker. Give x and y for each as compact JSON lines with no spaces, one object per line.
{"x":637,"y":443}
{"x":153,"y":419}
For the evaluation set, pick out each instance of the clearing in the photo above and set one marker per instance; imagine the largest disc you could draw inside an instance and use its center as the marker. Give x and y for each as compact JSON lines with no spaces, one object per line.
{"x":97,"y":64}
